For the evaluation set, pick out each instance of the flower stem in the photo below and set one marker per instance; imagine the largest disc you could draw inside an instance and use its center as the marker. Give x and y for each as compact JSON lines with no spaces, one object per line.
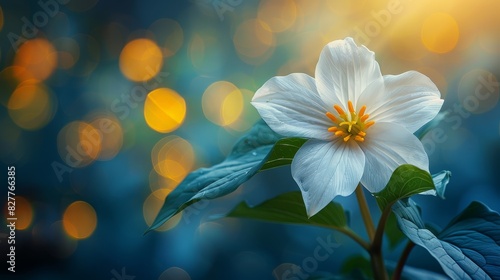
{"x":365,"y":212}
{"x":355,"y":237}
{"x":402,"y":260}
{"x":377,"y":259}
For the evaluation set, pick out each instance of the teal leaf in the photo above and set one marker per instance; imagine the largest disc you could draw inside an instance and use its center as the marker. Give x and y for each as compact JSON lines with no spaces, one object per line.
{"x":289,"y":208}
{"x":283,"y":152}
{"x":440,"y":180}
{"x":468,"y":248}
{"x":421,"y":132}
{"x":405,"y":181}
{"x":244,"y":161}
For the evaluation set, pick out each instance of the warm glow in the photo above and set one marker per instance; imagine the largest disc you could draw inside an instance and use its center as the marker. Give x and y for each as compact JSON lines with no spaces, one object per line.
{"x":31,"y":106}
{"x":37,"y":60}
{"x":254,"y":39}
{"x":164,"y":110}
{"x":79,"y":220}
{"x":79,"y":144}
{"x":152,"y":206}
{"x":141,"y":60}
{"x":68,"y":52}
{"x":222,"y":103}
{"x":111,"y":134}
{"x":278,"y":15}
{"x":249,"y":115}
{"x":173,"y":158}
{"x":23,"y":212}
{"x":440,"y":33}
{"x":164,"y":184}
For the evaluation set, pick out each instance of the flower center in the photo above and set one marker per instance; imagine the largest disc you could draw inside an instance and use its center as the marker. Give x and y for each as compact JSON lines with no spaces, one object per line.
{"x":350,"y":125}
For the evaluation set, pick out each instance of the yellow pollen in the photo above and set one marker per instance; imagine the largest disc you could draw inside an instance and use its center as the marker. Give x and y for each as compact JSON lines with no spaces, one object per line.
{"x":362,"y":110}
{"x":331,"y":117}
{"x":339,"y":133}
{"x":351,"y":125}
{"x":368,"y":124}
{"x":359,"y":138}
{"x":351,"y":108}
{"x":339,"y":110}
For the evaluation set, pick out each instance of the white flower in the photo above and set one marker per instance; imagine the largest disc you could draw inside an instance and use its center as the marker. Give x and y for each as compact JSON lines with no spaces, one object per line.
{"x":360,"y":123}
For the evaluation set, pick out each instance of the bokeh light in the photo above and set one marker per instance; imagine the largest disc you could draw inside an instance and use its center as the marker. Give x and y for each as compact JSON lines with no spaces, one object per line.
{"x":440,"y":33}
{"x":68,"y":52}
{"x":36,"y":60}
{"x":79,"y":220}
{"x":79,"y":144}
{"x":159,"y":182}
{"x":174,"y":273}
{"x":23,"y":212}
{"x":164,"y":110}
{"x":254,"y":41}
{"x":169,"y":35}
{"x":173,"y":157}
{"x":278,"y":15}
{"x":152,"y":206}
{"x":222,"y":103}
{"x":31,"y":106}
{"x":405,"y":40}
{"x":111,"y":135}
{"x":478,"y":91}
{"x":141,"y":60}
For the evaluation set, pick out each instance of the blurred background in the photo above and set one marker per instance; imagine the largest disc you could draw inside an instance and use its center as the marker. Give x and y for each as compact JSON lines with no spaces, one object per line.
{"x":107,"y":105}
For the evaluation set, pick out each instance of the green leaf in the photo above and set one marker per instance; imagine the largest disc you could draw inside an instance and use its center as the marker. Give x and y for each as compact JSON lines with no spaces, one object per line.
{"x":244,"y":161}
{"x":406,"y":181}
{"x":289,"y":208}
{"x":357,"y":264}
{"x":392,"y":231}
{"x":283,"y":152}
{"x":468,"y":248}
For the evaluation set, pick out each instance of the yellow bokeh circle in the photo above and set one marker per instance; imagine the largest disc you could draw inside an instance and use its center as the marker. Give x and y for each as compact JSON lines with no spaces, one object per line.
{"x":23,"y":212}
{"x":79,"y":220}
{"x":152,"y":206}
{"x":31,"y":106}
{"x":36,"y":60}
{"x":141,"y":60}
{"x":279,"y":15}
{"x":440,"y":33}
{"x":164,"y":110}
{"x":222,"y":103}
{"x":254,"y":41}
{"x":173,"y":158}
{"x":79,"y":144}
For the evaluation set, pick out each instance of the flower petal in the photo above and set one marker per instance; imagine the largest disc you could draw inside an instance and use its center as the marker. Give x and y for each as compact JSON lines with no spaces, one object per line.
{"x":344,"y":70}
{"x":291,"y":106}
{"x":410,"y":99}
{"x":386,"y":147}
{"x":324,"y":170}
